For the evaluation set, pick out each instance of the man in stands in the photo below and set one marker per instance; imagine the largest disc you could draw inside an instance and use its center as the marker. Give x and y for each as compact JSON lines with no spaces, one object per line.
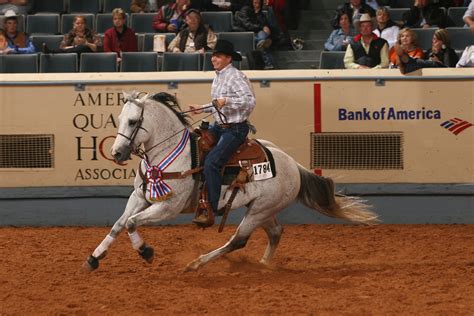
{"x":170,"y":17}
{"x":18,"y":42}
{"x":367,"y":50}
{"x":469,"y":16}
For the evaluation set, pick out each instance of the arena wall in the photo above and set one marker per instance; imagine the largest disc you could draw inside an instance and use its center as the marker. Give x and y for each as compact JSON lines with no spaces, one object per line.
{"x":377,"y":133}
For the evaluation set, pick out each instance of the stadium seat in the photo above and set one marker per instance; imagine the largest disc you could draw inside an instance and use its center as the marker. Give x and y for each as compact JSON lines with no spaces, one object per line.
{"x":139,"y":61}
{"x":148,"y":41}
{"x":331,"y":60}
{"x":27,"y":63}
{"x":98,"y":62}
{"x":425,"y":37}
{"x":52,"y":41}
{"x":45,"y":23}
{"x":85,"y":6}
{"x":207,"y":63}
{"x":49,"y":6}
{"x":66,"y":62}
{"x":181,"y":62}
{"x":460,"y":37}
{"x":243,"y":41}
{"x":103,"y":22}
{"x":20,"y":19}
{"x":109,"y":5}
{"x":67,"y":21}
{"x":396,"y":14}
{"x":455,"y":14}
{"x":142,"y":22}
{"x":218,"y":21}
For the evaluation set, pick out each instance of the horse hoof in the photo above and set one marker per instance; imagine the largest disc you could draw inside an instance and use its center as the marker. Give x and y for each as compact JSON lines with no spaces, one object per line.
{"x":147,"y":253}
{"x":193,"y":266}
{"x":91,"y":264}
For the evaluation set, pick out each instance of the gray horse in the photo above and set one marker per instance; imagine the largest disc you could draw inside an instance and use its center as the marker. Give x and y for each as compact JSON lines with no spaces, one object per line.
{"x":156,"y":124}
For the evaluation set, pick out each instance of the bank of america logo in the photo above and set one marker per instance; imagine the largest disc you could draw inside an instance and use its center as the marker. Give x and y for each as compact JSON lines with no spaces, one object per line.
{"x":456,"y":125}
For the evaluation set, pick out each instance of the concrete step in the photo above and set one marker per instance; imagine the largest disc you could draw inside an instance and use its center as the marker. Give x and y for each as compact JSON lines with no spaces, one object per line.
{"x":309,"y":34}
{"x":314,"y":44}
{"x":299,"y":64}
{"x":297,"y":55}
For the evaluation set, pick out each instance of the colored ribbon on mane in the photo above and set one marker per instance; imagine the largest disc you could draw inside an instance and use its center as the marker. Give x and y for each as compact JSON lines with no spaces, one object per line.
{"x":159,"y":190}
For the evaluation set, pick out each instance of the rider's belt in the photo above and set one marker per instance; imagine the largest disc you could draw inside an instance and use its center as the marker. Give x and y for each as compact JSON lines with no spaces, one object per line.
{"x":229,"y":125}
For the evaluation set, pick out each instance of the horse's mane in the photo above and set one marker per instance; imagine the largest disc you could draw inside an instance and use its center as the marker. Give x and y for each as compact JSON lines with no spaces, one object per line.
{"x":171,"y":102}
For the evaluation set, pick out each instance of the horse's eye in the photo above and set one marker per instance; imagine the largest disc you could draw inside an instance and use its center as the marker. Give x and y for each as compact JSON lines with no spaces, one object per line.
{"x":132,"y":122}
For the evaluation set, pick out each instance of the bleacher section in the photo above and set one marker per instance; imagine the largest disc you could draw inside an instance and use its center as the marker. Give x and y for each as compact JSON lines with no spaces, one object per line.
{"x":53,"y":18}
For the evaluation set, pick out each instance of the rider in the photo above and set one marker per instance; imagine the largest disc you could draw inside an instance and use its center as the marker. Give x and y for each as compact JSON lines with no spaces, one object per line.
{"x":233,"y":95}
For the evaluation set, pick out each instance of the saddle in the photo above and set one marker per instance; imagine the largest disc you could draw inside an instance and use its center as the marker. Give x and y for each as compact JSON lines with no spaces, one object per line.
{"x":250,"y":151}
{"x":240,"y":163}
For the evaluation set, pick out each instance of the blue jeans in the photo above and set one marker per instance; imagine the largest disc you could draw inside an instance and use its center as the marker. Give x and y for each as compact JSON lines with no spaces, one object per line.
{"x":229,"y":140}
{"x":266,"y":54}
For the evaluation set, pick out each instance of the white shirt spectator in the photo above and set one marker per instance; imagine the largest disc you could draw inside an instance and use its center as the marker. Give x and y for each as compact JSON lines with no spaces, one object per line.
{"x":467,"y":58}
{"x":389,"y":34}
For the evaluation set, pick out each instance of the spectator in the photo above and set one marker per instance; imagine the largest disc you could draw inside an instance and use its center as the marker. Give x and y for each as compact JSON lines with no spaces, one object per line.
{"x":342,"y":36}
{"x":407,"y":39}
{"x":368,"y":50}
{"x":142,"y":6}
{"x":20,"y":7}
{"x":355,"y":8}
{"x":376,"y":4}
{"x":4,"y":49}
{"x":170,"y":17}
{"x":119,"y":38}
{"x":440,"y":55}
{"x":196,"y":37}
{"x":424,"y":14}
{"x":251,"y":19}
{"x":386,"y":28}
{"x":467,"y":58}
{"x":469,"y":16}
{"x":18,"y":42}
{"x":79,"y":40}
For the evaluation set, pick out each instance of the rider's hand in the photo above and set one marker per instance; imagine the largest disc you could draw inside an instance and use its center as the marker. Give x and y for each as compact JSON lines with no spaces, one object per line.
{"x":195,"y":108}
{"x":220,"y":103}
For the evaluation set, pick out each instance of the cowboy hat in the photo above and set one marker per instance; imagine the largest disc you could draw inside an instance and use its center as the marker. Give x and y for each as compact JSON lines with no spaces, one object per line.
{"x":10,"y":14}
{"x":227,"y":48}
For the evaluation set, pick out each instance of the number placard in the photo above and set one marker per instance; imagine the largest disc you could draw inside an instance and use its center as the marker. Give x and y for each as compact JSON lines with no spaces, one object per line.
{"x":262,"y":171}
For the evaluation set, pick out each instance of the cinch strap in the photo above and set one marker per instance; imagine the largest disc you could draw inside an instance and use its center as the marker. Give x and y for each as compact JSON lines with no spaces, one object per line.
{"x":159,"y":190}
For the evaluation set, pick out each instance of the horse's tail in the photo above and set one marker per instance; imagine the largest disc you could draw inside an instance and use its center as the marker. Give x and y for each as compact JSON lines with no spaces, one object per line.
{"x":318,"y":193}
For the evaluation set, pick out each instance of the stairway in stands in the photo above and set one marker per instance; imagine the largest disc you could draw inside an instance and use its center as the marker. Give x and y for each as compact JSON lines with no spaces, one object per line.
{"x":314,"y":28}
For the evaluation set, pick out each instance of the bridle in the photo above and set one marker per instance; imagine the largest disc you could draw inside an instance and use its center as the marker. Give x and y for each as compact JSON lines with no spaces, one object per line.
{"x":135,"y":149}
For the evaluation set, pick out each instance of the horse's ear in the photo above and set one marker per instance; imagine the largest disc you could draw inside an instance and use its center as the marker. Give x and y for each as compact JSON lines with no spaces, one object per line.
{"x":143,"y":99}
{"x":126,"y":95}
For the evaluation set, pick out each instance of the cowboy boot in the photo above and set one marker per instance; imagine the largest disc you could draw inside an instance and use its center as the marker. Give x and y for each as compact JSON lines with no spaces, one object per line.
{"x":204,"y":215}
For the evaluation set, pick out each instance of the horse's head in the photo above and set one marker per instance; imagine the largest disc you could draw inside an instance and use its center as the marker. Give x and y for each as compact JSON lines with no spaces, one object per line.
{"x":131,"y":132}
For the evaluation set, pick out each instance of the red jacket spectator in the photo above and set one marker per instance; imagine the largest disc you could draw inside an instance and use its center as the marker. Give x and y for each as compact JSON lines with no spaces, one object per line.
{"x":116,"y":42}
{"x":170,"y":17}
{"x":119,"y":38}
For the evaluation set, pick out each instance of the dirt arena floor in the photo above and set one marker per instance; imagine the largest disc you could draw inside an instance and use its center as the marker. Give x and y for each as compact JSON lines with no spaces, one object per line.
{"x":318,"y":269}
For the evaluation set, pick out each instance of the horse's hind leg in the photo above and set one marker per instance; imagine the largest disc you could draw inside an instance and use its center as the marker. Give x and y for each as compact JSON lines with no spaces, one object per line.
{"x":237,"y":241}
{"x":274,"y":231}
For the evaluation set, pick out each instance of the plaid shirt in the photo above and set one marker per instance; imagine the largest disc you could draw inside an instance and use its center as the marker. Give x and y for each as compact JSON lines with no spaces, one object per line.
{"x":233,"y":85}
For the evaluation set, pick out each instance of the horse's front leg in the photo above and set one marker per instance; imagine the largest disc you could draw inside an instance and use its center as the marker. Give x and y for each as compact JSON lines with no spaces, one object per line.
{"x":155,"y":213}
{"x":134,"y":205}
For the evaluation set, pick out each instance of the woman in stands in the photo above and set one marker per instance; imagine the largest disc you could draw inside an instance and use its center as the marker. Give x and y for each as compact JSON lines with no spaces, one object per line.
{"x":407,"y":40}
{"x":119,"y":38}
{"x":4,"y":49}
{"x":79,"y":40}
{"x":342,"y":36}
{"x":439,"y":55}
{"x":196,"y":37}
{"x":386,"y":27}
